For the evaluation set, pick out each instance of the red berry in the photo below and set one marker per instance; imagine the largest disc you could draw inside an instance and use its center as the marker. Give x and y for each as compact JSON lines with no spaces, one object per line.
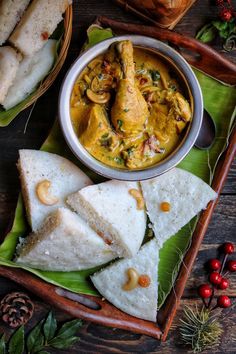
{"x":223,"y":301}
{"x":219,"y":2}
{"x":215,"y":278}
{"x":225,"y":15}
{"x":214,"y":264}
{"x":224,"y":284}
{"x":228,"y":248}
{"x":204,"y":291}
{"x":231,"y":266}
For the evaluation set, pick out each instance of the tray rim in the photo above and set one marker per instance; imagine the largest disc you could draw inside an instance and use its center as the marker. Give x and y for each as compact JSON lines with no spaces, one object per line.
{"x":167,"y":312}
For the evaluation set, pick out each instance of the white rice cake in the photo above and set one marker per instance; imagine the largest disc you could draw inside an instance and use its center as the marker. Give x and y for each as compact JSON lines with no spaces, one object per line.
{"x":64,"y":243}
{"x":38,"y":23}
{"x":9,"y":64}
{"x":186,"y":194}
{"x":11,"y":12}
{"x":140,"y":302}
{"x":31,"y":71}
{"x":38,"y":166}
{"x":112,"y":212}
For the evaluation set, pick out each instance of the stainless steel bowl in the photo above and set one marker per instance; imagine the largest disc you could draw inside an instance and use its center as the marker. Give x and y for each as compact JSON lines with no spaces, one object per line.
{"x":194,"y":93}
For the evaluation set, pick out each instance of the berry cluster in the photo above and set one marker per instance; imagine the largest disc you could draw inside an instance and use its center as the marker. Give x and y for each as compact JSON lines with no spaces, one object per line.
{"x":226,"y":10}
{"x":218,"y":279}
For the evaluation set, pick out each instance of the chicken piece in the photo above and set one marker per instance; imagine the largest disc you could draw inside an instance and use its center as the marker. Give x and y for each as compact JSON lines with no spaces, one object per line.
{"x":97,"y":131}
{"x":130,"y":110}
{"x":160,"y":124}
{"x":180,"y":110}
{"x":179,"y":106}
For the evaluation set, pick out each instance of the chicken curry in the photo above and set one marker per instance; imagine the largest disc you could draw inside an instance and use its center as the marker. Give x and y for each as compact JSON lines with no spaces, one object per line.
{"x":128,"y":108}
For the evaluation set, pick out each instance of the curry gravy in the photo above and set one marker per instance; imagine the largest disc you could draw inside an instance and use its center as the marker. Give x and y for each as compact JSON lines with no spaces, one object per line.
{"x":95,"y":93}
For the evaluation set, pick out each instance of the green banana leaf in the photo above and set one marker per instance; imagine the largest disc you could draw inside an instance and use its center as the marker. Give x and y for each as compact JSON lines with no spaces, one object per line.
{"x":219,"y":101}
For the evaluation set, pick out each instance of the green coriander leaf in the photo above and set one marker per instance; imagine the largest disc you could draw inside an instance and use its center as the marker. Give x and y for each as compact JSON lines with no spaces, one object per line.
{"x":119,"y":123}
{"x":207,"y":33}
{"x":105,"y":136}
{"x":62,"y":343}
{"x":69,"y":329}
{"x":50,"y":327}
{"x":43,"y":352}
{"x":155,"y":75}
{"x":118,"y":160}
{"x":16,"y":343}
{"x":126,"y":110}
{"x":130,"y":150}
{"x":173,"y":87}
{"x":35,"y":340}
{"x":2,"y":345}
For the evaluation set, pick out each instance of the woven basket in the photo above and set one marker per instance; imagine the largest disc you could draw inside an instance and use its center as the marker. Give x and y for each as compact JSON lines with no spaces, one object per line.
{"x":162,"y":13}
{"x":48,"y":81}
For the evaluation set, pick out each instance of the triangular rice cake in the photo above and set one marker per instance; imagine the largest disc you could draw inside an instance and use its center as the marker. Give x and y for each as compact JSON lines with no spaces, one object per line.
{"x":186,"y":194}
{"x":64,"y":243}
{"x":65,"y":178}
{"x":113,"y":213}
{"x":140,"y":302}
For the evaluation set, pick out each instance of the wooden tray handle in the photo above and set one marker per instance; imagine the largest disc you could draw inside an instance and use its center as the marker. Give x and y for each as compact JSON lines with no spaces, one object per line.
{"x":207,"y":59}
{"x":89,"y":308}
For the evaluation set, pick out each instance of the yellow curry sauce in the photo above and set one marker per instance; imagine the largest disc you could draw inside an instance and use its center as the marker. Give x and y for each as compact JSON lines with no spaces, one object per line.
{"x":124,"y":121}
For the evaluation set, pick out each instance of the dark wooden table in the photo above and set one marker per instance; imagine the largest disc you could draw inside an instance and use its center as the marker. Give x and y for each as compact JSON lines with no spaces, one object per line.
{"x":20,"y":134}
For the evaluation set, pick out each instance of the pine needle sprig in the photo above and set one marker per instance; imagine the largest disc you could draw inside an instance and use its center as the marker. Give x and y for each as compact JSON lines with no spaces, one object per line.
{"x":200,"y":329}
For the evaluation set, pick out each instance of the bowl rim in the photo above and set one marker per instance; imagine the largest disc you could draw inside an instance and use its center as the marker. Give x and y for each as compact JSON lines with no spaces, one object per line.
{"x":72,"y":139}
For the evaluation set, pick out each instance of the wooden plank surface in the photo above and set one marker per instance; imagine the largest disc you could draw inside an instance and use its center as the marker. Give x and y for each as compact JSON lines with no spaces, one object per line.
{"x":94,"y":338}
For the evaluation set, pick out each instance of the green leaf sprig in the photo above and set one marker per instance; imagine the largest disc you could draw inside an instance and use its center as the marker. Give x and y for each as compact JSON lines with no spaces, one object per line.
{"x":44,"y":335}
{"x":223,"y":29}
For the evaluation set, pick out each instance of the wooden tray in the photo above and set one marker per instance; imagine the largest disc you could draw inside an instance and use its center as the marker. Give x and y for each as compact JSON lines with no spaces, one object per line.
{"x":94,"y":309}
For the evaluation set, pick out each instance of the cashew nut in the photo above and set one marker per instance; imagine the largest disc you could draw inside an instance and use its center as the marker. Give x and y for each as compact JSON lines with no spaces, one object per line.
{"x":139,"y":198}
{"x":132,"y":282}
{"x":98,"y":97}
{"x":42,"y":191}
